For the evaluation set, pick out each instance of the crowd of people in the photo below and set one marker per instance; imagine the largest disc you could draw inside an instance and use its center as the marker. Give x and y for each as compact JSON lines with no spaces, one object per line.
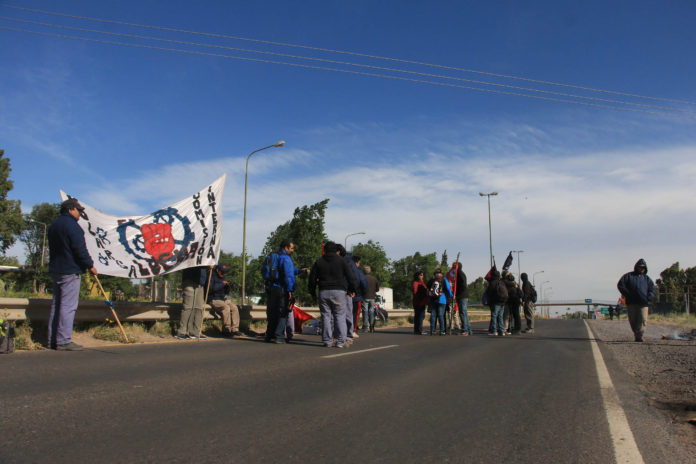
{"x":337,"y":283}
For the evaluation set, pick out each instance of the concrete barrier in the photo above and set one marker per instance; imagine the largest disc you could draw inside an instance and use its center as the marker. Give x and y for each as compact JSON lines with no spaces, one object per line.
{"x":38,"y":309}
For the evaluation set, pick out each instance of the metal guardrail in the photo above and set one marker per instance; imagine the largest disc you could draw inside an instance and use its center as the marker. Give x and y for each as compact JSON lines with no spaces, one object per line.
{"x":38,"y":309}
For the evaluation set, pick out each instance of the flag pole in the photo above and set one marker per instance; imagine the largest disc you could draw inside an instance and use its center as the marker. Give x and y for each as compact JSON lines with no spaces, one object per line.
{"x":205,"y":301}
{"x":113,"y":311}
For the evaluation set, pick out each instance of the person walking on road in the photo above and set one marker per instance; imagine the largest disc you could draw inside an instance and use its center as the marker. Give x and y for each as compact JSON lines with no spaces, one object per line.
{"x":529,"y":297}
{"x":419,"y":302}
{"x":639,"y":291}
{"x":336,"y":282}
{"x":512,"y":305}
{"x":69,"y":258}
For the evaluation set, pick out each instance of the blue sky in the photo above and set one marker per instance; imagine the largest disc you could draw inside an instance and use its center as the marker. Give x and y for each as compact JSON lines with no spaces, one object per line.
{"x":584,"y":190}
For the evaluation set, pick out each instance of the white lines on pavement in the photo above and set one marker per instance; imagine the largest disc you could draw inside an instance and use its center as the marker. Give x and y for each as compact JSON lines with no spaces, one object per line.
{"x":625,"y":448}
{"x":348,"y":353}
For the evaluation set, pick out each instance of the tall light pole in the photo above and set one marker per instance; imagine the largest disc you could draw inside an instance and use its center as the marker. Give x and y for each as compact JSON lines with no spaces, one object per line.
{"x":541,"y":289}
{"x":546,"y":297}
{"x":345,"y":242}
{"x":43,"y":245}
{"x":534,"y":275}
{"x":280,"y":143}
{"x":490,"y":233}
{"x":518,"y":264}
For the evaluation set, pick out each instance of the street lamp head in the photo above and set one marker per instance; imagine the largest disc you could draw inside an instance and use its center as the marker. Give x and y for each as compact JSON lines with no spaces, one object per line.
{"x":494,"y":193}
{"x":279,"y":143}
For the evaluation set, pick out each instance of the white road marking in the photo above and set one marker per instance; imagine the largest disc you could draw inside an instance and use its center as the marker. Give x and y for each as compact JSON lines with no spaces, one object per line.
{"x":625,"y":447}
{"x":348,"y":353}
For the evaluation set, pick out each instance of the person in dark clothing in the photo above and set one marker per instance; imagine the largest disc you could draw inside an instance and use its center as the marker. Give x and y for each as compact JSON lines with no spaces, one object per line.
{"x":358,"y":298}
{"x":639,"y":291}
{"x":528,"y":300}
{"x":335,"y":279}
{"x":368,"y":309}
{"x":462,"y":297}
{"x":512,"y":305}
{"x":193,"y":282}
{"x":496,"y":294}
{"x":69,"y":258}
{"x":419,"y":302}
{"x":220,"y":304}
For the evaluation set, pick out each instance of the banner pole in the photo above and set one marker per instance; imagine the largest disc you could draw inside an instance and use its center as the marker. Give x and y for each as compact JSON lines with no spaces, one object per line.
{"x":205,"y":301}
{"x":113,"y":311}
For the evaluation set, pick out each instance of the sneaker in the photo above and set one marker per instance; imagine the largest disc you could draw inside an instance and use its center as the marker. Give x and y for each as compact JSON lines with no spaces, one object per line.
{"x":442,"y":332}
{"x":328,"y":345}
{"x":507,"y":332}
{"x":340,"y":345}
{"x":349,"y":341}
{"x":238,"y":333}
{"x":69,"y":347}
{"x":181,"y":336}
{"x":491,"y":334}
{"x":465,"y":334}
{"x":279,"y":342}
{"x":355,"y":335}
{"x":502,"y":334}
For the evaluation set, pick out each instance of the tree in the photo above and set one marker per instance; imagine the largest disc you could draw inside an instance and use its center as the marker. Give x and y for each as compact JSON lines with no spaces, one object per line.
{"x":444,"y":262}
{"x":674,"y":283}
{"x":306,"y":231}
{"x":33,"y":236}
{"x":372,"y":254}
{"x":476,"y":289}
{"x":402,"y":272}
{"x":11,"y":223}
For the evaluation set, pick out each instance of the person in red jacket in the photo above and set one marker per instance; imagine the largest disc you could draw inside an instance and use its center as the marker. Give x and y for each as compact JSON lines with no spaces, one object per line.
{"x":420,"y":302}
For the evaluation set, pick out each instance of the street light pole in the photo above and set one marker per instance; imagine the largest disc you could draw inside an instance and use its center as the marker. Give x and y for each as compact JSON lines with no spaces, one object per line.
{"x":490,"y":233}
{"x":518,"y":264}
{"x":541,"y":289}
{"x":246,"y":178}
{"x":345,"y":242}
{"x":534,"y":276}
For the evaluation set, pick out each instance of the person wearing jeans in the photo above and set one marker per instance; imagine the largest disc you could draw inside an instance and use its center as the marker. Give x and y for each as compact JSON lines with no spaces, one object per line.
{"x":438,"y":292}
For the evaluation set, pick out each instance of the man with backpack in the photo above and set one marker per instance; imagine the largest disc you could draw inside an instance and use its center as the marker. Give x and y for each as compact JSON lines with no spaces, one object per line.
{"x":529,"y":297}
{"x":496,"y":295}
{"x":279,"y":275}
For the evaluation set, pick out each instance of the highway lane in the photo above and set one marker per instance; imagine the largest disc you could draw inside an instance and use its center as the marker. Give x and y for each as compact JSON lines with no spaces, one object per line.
{"x":392,"y":397}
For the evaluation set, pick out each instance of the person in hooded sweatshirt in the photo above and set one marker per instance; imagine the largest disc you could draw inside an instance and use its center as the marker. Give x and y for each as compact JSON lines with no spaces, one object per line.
{"x":639,"y":290}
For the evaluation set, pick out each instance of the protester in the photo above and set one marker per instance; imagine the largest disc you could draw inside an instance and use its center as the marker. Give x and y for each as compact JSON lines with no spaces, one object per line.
{"x":639,"y":290}
{"x":529,"y":297}
{"x":438,"y":292}
{"x":69,"y":258}
{"x":220,"y":304}
{"x":360,"y":292}
{"x":419,"y":302}
{"x":335,"y":280}
{"x":462,"y":297}
{"x":512,"y":305}
{"x":496,"y":295}
{"x":280,"y":296}
{"x":619,"y":307}
{"x":194,"y":281}
{"x":368,"y":309}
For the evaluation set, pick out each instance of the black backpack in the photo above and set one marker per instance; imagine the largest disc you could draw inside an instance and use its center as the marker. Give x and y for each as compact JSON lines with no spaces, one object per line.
{"x":534,"y":295}
{"x":501,"y":290}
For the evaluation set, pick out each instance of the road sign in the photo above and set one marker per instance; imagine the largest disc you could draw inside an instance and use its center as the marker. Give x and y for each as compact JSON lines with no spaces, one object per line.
{"x":588,"y":300}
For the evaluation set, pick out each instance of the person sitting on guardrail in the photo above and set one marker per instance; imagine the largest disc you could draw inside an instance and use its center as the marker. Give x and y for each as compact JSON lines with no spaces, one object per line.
{"x":218,"y":301}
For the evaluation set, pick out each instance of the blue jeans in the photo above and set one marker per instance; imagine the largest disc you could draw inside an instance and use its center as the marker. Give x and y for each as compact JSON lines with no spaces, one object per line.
{"x":437,"y":313}
{"x":464,"y":315}
{"x":332,"y":307}
{"x":66,"y":296}
{"x":368,"y":310}
{"x":497,"y":318}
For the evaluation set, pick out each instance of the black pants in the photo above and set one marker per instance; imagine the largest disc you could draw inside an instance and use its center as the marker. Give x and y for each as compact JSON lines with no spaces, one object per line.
{"x":277,"y":312}
{"x":418,"y":316}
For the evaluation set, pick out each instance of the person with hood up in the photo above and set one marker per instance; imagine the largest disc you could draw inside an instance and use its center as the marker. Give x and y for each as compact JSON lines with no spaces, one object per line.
{"x":496,"y":295}
{"x":639,"y":291}
{"x":529,"y":297}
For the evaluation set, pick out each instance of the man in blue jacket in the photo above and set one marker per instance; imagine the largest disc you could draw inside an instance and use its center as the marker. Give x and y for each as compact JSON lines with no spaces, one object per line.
{"x":69,"y":258}
{"x":280,"y":296}
{"x":639,"y":290}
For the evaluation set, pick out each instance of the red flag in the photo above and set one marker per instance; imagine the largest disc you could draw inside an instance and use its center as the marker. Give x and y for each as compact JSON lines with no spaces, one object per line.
{"x":300,"y":318}
{"x":490,"y":273}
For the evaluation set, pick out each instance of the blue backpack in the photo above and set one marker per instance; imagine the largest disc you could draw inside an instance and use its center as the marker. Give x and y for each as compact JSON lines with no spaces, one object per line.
{"x":271,"y":269}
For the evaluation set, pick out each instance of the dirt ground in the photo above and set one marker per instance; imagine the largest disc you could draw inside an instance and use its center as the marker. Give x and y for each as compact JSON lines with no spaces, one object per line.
{"x":663,"y":366}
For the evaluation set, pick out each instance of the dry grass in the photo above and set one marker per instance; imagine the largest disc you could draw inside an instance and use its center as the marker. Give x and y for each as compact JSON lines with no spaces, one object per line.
{"x":680,"y":319}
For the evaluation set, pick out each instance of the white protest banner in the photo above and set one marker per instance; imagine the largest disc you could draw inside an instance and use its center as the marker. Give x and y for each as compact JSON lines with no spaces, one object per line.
{"x":185,"y":234}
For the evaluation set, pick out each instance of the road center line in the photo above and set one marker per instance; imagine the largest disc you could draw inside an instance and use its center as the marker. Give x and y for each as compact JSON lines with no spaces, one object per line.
{"x":625,"y":447}
{"x":348,"y":353}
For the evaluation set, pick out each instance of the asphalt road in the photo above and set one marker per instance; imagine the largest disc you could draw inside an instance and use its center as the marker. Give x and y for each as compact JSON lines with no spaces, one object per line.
{"x":526,"y":399}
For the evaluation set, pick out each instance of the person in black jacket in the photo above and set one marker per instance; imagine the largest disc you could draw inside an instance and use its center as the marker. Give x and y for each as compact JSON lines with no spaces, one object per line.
{"x":512,"y":305}
{"x":639,"y":291}
{"x":529,"y":297}
{"x":69,"y":258}
{"x":335,"y":279}
{"x":462,"y":297}
{"x":217,"y":299}
{"x":496,"y":294}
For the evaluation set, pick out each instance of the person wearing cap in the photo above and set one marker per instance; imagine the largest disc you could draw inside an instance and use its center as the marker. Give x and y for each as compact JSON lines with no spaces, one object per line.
{"x":193,"y":282}
{"x":68,"y":259}
{"x":217,"y":299}
{"x":639,"y":290}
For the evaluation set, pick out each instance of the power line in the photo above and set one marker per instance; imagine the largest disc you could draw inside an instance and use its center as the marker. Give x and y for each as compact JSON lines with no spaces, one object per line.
{"x":360,"y":73}
{"x":327,"y":50}
{"x":345,"y":63}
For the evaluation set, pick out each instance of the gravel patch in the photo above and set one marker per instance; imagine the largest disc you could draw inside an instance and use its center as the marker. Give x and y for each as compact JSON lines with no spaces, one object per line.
{"x":664,"y":368}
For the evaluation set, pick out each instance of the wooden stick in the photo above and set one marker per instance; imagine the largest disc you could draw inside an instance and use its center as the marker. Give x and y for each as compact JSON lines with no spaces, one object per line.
{"x":205,"y":301}
{"x":110,"y":305}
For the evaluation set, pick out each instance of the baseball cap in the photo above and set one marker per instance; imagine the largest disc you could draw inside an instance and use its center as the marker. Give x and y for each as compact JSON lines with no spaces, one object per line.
{"x":71,"y":203}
